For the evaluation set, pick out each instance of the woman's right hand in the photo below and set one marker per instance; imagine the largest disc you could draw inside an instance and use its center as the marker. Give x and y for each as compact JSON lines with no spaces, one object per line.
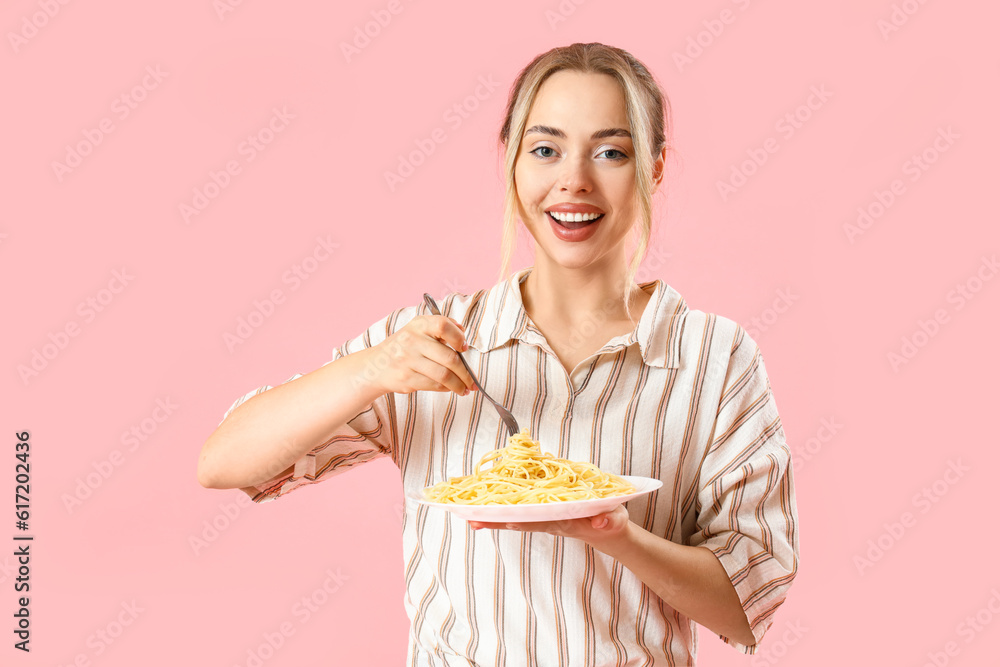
{"x":422,"y":356}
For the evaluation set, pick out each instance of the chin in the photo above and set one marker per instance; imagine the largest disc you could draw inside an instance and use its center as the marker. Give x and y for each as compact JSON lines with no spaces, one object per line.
{"x":570,"y":260}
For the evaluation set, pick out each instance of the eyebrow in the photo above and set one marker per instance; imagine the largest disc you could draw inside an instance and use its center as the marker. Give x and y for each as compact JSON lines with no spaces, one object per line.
{"x":600,"y":134}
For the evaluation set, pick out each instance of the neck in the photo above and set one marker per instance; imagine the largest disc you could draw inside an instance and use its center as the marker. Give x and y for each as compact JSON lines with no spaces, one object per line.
{"x":569,"y":296}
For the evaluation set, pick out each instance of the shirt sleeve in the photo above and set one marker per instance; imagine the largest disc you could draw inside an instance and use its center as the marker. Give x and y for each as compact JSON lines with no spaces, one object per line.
{"x":369,"y":435}
{"x":746,"y":499}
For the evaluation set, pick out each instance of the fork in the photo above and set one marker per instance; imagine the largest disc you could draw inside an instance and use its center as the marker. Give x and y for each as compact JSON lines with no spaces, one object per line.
{"x":505,"y":416}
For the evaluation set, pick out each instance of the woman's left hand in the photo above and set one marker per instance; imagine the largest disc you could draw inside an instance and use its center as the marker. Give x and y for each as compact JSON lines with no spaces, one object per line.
{"x":603,"y":528}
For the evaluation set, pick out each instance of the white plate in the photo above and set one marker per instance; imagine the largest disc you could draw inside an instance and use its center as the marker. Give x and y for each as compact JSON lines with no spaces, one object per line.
{"x":569,"y":509}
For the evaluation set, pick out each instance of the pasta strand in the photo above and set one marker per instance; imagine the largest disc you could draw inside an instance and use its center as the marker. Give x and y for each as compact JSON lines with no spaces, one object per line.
{"x":521,"y":474}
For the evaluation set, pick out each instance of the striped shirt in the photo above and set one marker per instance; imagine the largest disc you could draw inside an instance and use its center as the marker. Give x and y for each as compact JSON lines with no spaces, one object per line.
{"x":683,"y":398}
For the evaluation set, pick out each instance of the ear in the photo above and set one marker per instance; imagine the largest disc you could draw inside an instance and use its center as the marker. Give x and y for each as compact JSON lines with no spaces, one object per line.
{"x":658,"y":167}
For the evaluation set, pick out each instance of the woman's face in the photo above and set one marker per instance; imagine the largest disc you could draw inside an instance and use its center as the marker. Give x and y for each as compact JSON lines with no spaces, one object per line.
{"x":577,"y":153}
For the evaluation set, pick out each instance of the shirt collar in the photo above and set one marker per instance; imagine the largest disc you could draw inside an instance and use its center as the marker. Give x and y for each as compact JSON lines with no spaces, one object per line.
{"x":503,"y":318}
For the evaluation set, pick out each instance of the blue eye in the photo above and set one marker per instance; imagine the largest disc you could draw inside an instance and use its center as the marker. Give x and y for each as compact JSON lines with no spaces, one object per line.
{"x":542,"y":148}
{"x":618,"y":156}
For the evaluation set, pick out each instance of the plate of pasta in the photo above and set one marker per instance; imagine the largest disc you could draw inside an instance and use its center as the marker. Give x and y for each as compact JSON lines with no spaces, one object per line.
{"x":526,"y":484}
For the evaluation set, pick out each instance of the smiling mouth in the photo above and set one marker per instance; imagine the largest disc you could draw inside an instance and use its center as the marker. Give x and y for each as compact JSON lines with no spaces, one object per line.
{"x":573,"y":220}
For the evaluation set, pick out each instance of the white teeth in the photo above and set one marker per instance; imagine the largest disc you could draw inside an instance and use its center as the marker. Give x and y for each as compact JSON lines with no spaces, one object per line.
{"x":574,"y":217}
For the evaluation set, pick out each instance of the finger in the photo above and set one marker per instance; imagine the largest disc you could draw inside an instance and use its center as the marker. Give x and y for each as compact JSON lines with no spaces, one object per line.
{"x":446,"y":330}
{"x":438,"y":377}
{"x":448,"y":358}
{"x":459,"y":343}
{"x":452,"y":334}
{"x":552,"y":527}
{"x":476,"y":525}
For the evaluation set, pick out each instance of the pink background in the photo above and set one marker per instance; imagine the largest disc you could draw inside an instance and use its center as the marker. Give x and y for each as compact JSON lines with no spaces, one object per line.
{"x":867,"y":435}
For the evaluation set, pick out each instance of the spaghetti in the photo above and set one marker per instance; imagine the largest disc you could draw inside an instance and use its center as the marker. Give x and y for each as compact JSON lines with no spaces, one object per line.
{"x":521,"y":473}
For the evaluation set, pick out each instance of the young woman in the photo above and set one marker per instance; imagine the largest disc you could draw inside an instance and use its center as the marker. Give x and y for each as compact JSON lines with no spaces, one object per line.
{"x":599,"y":369}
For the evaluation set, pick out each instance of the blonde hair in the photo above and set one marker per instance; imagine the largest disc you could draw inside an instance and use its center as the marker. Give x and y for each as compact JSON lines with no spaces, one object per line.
{"x":648,"y":113}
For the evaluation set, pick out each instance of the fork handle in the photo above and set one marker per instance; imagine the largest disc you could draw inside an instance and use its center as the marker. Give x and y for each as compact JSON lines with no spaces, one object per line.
{"x":434,"y":309}
{"x":512,"y":423}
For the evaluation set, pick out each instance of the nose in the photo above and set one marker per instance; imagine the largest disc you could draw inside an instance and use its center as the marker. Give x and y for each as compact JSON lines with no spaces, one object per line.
{"x":575,"y":176}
